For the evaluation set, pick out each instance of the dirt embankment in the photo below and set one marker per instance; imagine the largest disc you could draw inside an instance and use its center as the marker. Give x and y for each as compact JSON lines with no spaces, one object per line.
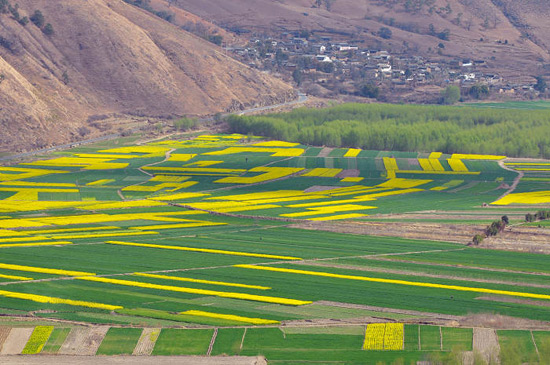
{"x":459,"y":233}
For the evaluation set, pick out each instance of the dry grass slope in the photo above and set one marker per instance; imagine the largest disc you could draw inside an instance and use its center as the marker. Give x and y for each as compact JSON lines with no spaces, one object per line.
{"x":118,"y":59}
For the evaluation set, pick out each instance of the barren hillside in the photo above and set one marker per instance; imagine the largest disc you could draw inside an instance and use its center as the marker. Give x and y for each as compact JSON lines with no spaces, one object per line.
{"x":104,"y":57}
{"x":512,"y":36}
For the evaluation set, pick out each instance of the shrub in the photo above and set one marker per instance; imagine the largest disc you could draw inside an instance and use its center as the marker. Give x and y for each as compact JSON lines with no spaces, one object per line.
{"x":48,"y":29}
{"x":37,"y":18}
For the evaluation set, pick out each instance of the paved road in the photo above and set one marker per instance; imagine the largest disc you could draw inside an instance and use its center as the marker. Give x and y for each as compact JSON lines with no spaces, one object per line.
{"x":301,"y":99}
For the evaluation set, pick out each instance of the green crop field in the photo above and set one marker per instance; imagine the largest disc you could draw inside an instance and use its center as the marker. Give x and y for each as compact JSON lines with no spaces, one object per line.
{"x":183,"y":342}
{"x":211,"y":233}
{"x":119,"y":341}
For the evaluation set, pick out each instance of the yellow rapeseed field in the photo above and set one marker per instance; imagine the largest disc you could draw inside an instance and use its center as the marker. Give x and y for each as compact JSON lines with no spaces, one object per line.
{"x":243,"y":296}
{"x":230,"y":317}
{"x":399,"y":282}
{"x":53,"y":300}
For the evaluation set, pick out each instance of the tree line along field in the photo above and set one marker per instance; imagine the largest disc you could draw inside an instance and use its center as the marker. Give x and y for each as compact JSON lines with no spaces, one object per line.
{"x":392,"y":342}
{"x":513,"y":131}
{"x":197,"y":233}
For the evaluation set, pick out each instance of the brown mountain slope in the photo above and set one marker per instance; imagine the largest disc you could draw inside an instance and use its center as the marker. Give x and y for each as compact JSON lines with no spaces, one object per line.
{"x":105,"y":57}
{"x":478,"y":28}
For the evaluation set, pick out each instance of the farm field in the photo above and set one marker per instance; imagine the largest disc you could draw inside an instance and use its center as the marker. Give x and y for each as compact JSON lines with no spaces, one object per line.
{"x":201,"y":233}
{"x":374,"y":342}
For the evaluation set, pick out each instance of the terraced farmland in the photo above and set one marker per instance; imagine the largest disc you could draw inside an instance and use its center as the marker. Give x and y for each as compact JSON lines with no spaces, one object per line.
{"x":202,"y":233}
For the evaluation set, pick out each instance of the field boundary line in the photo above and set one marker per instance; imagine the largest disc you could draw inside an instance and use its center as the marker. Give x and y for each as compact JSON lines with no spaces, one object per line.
{"x":212,"y":340}
{"x":419,"y":342}
{"x":242,"y":339}
{"x":535,"y":343}
{"x":440,"y":339}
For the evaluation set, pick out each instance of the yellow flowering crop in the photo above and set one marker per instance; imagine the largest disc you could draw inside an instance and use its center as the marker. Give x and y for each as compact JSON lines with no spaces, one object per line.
{"x":425,"y":164}
{"x":330,"y":209}
{"x":205,"y":250}
{"x":138,"y":284}
{"x":107,"y":234}
{"x":189,"y":224}
{"x":199,"y":281}
{"x":352,"y":152}
{"x":269,"y":173}
{"x":124,"y":204}
{"x":32,"y":244}
{"x":276,"y":152}
{"x":178,"y":196}
{"x":248,"y":208}
{"x":44,"y":270}
{"x":384,"y":336}
{"x":25,"y":173}
{"x":533,"y":197}
{"x":374,"y":336}
{"x":275,"y":144}
{"x":230,"y":317}
{"x":398,"y":282}
{"x":323,"y":172}
{"x":399,"y":183}
{"x":195,"y":170}
{"x":100,"y":182}
{"x":181,"y":157}
{"x":37,"y":184}
{"x":390,"y":163}
{"x":476,"y":157}
{"x":393,"y":336}
{"x":457,"y":165}
{"x":15,"y":277}
{"x":338,"y":217}
{"x":435,"y":155}
{"x":53,"y":300}
{"x":352,"y":179}
{"x":38,"y":339}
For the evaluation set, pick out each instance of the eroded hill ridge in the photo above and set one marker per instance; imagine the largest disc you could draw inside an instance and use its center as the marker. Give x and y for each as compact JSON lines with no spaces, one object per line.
{"x":105,"y":57}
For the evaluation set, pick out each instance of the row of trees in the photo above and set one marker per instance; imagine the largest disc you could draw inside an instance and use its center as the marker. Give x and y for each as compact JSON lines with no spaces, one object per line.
{"x":37,"y":18}
{"x":492,"y":230}
{"x":540,"y":215}
{"x":419,"y":128}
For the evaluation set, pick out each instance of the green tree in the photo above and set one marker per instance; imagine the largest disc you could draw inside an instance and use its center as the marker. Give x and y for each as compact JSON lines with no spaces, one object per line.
{"x":24,"y":21}
{"x":385,"y":32}
{"x":541,"y":85}
{"x":48,"y":29}
{"x":369,"y":91}
{"x":37,"y":18}
{"x":451,"y":95}
{"x":297,"y":76}
{"x":479,"y":91}
{"x":4,"y":6}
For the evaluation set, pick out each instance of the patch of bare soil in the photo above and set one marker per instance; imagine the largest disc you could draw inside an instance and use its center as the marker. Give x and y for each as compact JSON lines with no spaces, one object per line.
{"x":147,"y":341}
{"x":515,"y":300}
{"x":458,"y":233}
{"x":498,"y":321}
{"x":486,"y":343}
{"x":522,"y":239}
{"x":4,"y":332}
{"x":348,"y":173}
{"x":316,"y":188}
{"x":83,"y":341}
{"x":16,"y":341}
